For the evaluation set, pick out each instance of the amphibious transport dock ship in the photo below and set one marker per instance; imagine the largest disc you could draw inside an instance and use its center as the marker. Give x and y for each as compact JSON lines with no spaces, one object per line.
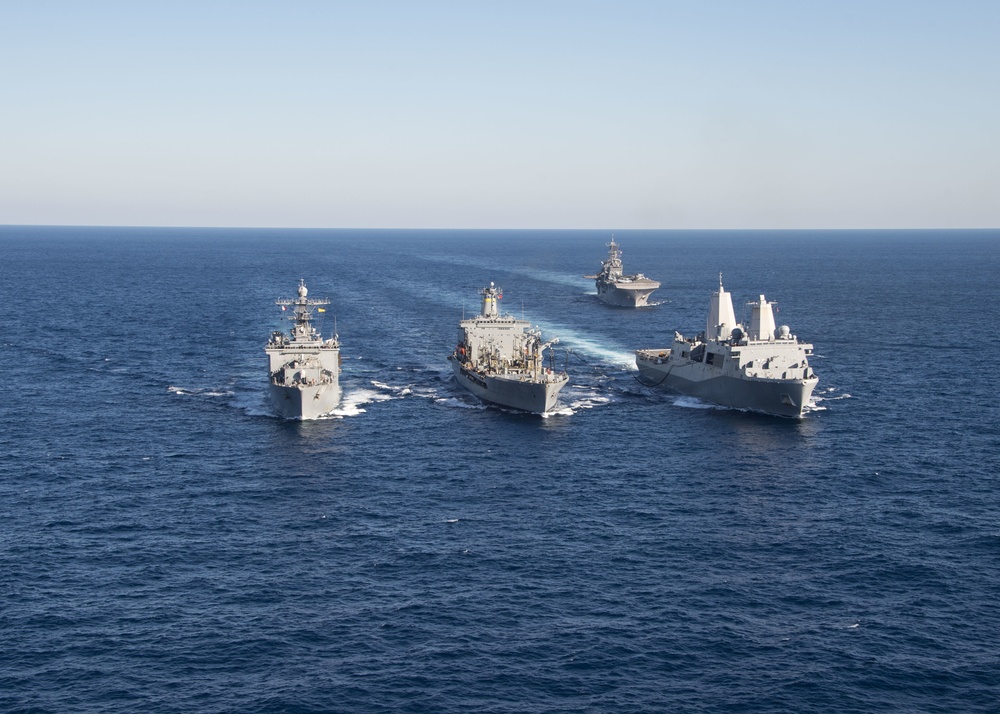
{"x":304,"y":368}
{"x":500,"y":359}
{"x":614,"y":288}
{"x":763,"y":369}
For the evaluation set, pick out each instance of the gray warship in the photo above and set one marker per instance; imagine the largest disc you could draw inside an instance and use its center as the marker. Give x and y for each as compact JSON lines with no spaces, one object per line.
{"x":304,"y":368}
{"x":763,"y":369}
{"x":615,"y":288}
{"x":500,"y":360}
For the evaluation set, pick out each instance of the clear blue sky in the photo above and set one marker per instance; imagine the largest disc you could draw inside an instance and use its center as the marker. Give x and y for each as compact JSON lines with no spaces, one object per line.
{"x":537,"y":114}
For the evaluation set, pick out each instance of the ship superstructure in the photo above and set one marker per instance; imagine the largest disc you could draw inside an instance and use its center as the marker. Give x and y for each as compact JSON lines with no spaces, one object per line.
{"x":500,"y":359}
{"x":304,"y":368}
{"x":762,"y":368}
{"x":616,"y":288}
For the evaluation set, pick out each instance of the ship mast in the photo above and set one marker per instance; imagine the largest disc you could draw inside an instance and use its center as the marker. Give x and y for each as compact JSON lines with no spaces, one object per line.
{"x":613,"y":265}
{"x":302,"y":308}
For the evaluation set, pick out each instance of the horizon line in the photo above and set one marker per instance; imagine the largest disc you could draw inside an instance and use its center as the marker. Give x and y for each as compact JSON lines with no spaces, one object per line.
{"x":483,"y":229}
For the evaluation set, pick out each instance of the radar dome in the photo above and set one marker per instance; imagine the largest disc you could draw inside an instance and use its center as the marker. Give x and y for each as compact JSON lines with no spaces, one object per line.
{"x":302,"y":290}
{"x":783,"y":332}
{"x":736,"y":334}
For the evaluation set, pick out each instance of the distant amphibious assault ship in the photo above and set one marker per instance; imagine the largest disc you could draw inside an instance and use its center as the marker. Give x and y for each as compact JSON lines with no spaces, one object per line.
{"x":500,"y":359}
{"x":764,"y":369}
{"x":615,"y":288}
{"x":304,"y":368}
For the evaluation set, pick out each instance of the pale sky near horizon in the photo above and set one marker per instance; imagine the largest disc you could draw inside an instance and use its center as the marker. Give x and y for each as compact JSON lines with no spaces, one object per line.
{"x":467,"y":114}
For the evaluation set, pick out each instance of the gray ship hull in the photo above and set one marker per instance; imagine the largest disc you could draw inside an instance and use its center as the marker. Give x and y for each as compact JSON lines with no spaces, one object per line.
{"x":760,"y":366}
{"x":304,"y":402}
{"x":304,"y":368}
{"x":616,"y":288}
{"x":510,"y":391}
{"x":633,"y":295}
{"x":778,"y":397}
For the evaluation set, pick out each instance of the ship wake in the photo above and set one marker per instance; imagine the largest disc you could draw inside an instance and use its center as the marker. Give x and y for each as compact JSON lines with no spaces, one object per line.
{"x":353,"y":401}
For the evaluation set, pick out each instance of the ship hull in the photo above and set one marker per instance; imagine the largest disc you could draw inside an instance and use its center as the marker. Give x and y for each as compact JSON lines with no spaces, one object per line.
{"x":624,"y":297}
{"x":304,"y":402}
{"x":529,"y":396}
{"x":777,"y":397}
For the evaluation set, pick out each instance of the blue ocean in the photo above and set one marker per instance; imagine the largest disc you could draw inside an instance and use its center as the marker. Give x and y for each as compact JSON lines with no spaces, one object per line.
{"x":169,"y":546}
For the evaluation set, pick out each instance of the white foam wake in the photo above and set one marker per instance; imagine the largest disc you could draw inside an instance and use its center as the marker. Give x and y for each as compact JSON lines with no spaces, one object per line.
{"x":545,"y":276}
{"x":456,"y":403}
{"x":588,"y":345}
{"x":565,"y":411}
{"x":695,"y":403}
{"x":206,"y":392}
{"x":352,"y":402}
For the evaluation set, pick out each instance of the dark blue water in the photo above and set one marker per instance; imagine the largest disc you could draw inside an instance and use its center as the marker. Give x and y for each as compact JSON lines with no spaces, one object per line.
{"x":169,"y":547}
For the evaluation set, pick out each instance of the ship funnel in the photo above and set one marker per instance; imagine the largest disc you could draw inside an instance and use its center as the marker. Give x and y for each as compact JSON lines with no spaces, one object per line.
{"x":761,"y":320}
{"x":721,"y":317}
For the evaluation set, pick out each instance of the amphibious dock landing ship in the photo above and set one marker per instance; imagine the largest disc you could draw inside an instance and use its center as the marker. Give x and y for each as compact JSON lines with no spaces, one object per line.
{"x":304,"y":368}
{"x":763,"y":369}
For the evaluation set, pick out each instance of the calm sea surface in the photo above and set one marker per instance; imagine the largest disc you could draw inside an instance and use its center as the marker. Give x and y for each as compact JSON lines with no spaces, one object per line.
{"x":168,"y":546}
